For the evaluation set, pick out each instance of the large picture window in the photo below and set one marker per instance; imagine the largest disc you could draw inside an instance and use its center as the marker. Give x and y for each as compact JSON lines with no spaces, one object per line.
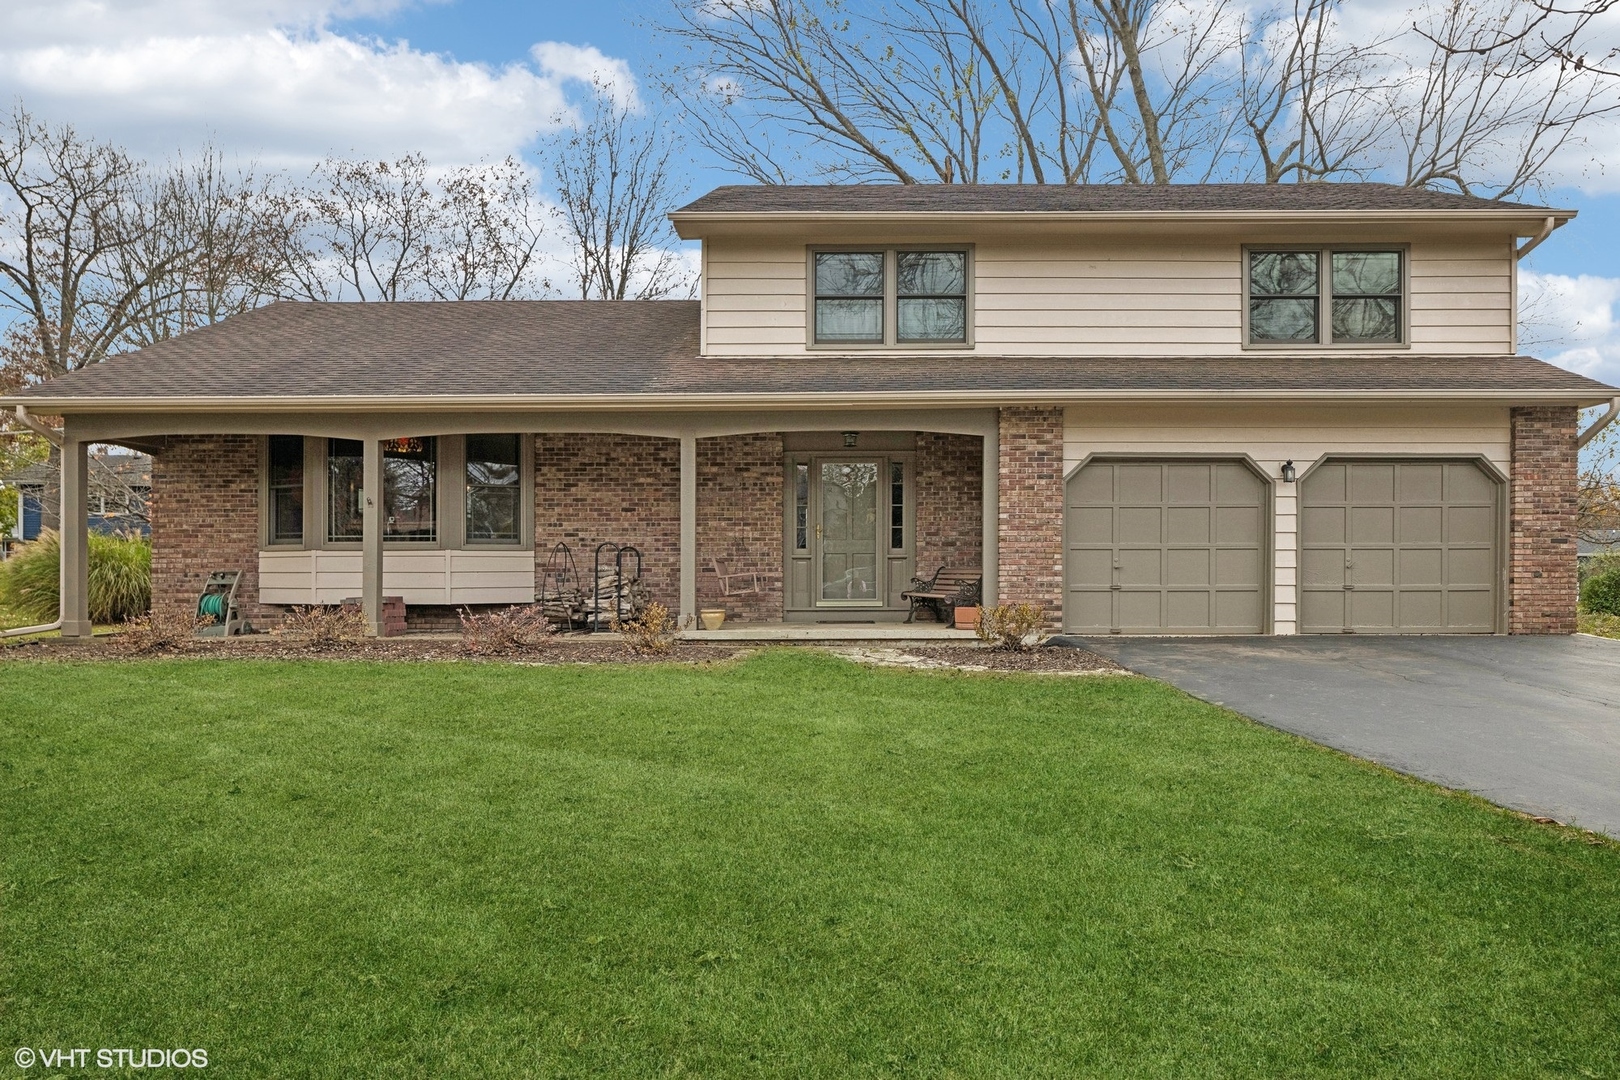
{"x":494,"y":488}
{"x":1359,"y":292}
{"x":893,"y":297}
{"x":286,"y":483}
{"x":410,"y":468}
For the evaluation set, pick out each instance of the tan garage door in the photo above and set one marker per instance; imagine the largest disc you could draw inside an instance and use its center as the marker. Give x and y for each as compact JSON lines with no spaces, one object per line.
{"x":1398,"y":548}
{"x":1164,"y":547}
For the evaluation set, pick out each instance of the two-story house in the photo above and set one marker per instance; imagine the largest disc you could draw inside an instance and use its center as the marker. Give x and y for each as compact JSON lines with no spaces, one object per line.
{"x":1233,"y":409}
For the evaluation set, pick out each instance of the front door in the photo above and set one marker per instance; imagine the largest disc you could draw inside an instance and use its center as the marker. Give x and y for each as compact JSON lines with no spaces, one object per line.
{"x":850,"y":570}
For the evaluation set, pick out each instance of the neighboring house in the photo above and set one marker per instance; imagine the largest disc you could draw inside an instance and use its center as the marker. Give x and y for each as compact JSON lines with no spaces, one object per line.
{"x":120,"y":484}
{"x":1602,"y":542}
{"x":1233,"y":409}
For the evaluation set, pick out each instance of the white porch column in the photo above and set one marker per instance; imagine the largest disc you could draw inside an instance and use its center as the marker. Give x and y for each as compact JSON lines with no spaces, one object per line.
{"x":991,"y":542}
{"x":74,"y":583}
{"x":689,"y":555}
{"x":371,"y":536}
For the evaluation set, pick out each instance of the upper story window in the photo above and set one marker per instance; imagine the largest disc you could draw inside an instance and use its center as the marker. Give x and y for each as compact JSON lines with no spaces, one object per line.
{"x":1360,"y":293}
{"x":890,"y":297}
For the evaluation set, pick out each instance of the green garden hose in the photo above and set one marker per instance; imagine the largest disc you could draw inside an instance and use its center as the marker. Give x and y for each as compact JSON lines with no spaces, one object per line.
{"x":212,"y":605}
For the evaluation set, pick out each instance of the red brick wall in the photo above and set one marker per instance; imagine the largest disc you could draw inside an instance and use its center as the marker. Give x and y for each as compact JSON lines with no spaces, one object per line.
{"x":739,"y":522}
{"x":949,"y":501}
{"x":205,"y":517}
{"x":1542,"y":591}
{"x":1031,"y":503}
{"x":622,"y":488}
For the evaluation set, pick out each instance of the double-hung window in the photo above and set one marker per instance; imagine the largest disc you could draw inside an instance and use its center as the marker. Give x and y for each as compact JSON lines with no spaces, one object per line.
{"x":893,"y":297}
{"x":285,"y":468}
{"x":1325,"y":296}
{"x":494,"y":495}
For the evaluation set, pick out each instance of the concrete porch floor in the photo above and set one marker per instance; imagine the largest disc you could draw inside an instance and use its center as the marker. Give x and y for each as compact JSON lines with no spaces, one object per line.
{"x":836,"y":633}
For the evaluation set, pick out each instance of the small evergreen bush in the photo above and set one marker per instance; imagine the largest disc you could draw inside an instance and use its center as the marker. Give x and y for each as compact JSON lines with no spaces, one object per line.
{"x":120,"y":578}
{"x":1600,"y":595}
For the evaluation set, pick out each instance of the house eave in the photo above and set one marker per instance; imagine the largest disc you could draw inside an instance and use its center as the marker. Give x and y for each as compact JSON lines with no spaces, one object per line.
{"x":935,"y":399}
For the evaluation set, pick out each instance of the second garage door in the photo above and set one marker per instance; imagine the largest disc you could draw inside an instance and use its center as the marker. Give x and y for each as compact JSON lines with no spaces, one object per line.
{"x":1164,"y":547}
{"x":1403,"y":547}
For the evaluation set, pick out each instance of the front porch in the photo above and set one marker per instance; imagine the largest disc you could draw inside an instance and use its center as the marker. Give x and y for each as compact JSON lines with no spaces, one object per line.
{"x":799,"y":525}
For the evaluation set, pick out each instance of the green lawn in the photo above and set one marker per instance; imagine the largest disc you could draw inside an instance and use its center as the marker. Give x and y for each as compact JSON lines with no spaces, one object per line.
{"x":789,"y":867}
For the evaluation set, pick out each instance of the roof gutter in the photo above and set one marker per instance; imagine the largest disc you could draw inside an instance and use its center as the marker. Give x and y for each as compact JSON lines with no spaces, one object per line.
{"x":1599,"y":424}
{"x":1547,"y":228}
{"x":778,"y":401}
{"x":46,"y":432}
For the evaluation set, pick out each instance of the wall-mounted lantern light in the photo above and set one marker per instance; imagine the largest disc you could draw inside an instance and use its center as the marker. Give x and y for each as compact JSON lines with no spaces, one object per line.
{"x":1288,"y":474}
{"x":850,"y":437}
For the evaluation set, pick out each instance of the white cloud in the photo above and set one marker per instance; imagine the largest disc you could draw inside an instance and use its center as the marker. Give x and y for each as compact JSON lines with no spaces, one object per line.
{"x":271,"y":81}
{"x":1571,"y":321}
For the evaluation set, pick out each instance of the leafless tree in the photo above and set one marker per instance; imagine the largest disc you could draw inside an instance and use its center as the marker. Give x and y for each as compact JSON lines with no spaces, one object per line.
{"x":381,"y":230}
{"x":615,"y":184}
{"x":1138,"y":91}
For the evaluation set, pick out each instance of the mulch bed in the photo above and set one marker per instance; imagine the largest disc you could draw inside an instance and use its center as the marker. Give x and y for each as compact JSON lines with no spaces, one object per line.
{"x":570,"y":651}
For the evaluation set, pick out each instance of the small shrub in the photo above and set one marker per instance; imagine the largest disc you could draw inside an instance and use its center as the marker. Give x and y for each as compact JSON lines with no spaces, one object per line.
{"x":322,"y":626}
{"x":651,"y":632}
{"x":1600,"y":625}
{"x":1600,"y":595}
{"x":120,"y":578}
{"x":493,"y":633}
{"x":1012,"y":627}
{"x":156,"y":632}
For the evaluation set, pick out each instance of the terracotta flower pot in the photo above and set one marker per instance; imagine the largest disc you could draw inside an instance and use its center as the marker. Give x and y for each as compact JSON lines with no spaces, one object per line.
{"x":967,"y":618}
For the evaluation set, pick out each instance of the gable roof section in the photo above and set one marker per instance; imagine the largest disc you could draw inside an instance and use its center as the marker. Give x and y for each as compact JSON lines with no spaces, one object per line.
{"x":753,"y":199}
{"x":644,"y":354}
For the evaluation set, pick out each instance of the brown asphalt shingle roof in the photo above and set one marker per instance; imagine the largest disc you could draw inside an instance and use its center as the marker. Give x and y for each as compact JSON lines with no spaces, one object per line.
{"x":649,"y":349}
{"x":1082,"y":198}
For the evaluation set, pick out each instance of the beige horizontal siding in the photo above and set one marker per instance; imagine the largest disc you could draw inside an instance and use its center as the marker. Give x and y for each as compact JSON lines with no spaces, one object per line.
{"x":1271,"y":435}
{"x":421,"y":577}
{"x":1103,"y":297}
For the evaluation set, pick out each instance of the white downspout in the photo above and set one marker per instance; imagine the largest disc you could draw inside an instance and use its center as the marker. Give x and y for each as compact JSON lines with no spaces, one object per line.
{"x":54,"y":437}
{"x":1547,"y":228}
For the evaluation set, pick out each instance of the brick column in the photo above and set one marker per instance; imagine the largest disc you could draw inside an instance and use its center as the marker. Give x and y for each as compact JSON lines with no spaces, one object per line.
{"x":204,"y":512}
{"x":1031,"y":489}
{"x":1541,"y":530}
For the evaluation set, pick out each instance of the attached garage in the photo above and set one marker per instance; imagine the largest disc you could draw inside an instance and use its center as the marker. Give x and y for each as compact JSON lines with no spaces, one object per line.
{"x":1172,"y":546}
{"x":1399,"y":547}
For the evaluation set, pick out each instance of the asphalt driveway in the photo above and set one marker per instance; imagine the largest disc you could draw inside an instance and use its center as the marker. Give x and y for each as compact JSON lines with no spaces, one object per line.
{"x":1527,"y":722}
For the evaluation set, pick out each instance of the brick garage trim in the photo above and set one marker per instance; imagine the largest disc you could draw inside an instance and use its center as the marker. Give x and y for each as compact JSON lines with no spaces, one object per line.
{"x":1030,"y":530}
{"x":740,"y":500}
{"x":204,"y":512}
{"x":1542,"y":588}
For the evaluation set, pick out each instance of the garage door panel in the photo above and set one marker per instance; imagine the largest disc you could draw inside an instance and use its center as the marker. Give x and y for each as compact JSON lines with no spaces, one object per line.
{"x":1092,"y":487}
{"x":1469,"y":484}
{"x":1420,"y":483}
{"x":1472,"y":609}
{"x":1139,"y":484}
{"x":1371,"y":567}
{"x":1182,"y":542}
{"x":1372,"y":524}
{"x":1372,"y":483}
{"x":1141,"y":610}
{"x":1141,"y":525}
{"x":1188,"y":610}
{"x":1089,"y":611}
{"x":1187,"y":484}
{"x":1091,"y":567}
{"x":1422,"y":566}
{"x":1318,"y":567}
{"x":1187,"y":525}
{"x":1475,"y":567}
{"x":1237,"y":566}
{"x":1238,"y":525}
{"x":1091,"y":525}
{"x":1187,"y":566}
{"x":1236,"y":611}
{"x":1422,"y":524}
{"x":1323,"y":524}
{"x":1372,"y":610}
{"x":1420,"y":542}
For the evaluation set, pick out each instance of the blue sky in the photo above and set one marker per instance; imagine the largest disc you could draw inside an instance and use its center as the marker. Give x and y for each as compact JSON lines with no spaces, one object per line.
{"x":283,"y":82}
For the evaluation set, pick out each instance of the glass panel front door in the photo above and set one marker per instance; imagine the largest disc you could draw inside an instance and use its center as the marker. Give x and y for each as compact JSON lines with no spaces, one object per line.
{"x":850,"y":567}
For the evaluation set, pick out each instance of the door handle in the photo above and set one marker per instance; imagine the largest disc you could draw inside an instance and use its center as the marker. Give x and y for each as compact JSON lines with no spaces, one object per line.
{"x":818,"y":531}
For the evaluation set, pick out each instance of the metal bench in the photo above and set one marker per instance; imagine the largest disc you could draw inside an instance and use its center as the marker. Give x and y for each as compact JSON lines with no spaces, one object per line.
{"x":949,"y":589}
